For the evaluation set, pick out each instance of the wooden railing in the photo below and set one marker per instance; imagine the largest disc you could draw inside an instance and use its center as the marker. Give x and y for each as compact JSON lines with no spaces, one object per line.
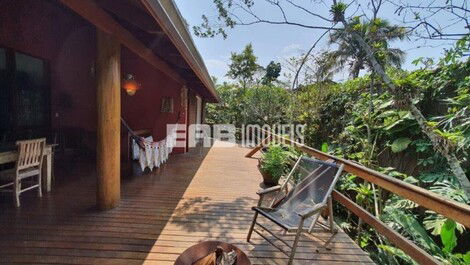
{"x":456,"y":211}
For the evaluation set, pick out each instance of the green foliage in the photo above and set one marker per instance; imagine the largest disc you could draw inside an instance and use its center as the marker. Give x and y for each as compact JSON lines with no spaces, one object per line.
{"x":408,"y":224}
{"x":454,"y":54}
{"x":274,"y":161}
{"x":337,"y":10}
{"x":398,"y":253}
{"x":255,"y":105}
{"x":369,"y":129}
{"x":357,"y":120}
{"x":324,"y":147}
{"x":243,"y":66}
{"x":400,"y":144}
{"x":448,"y":237}
{"x":377,"y":33}
{"x":265,"y":105}
{"x":228,"y":111}
{"x":206,"y":30}
{"x":273,"y":70}
{"x":353,"y":121}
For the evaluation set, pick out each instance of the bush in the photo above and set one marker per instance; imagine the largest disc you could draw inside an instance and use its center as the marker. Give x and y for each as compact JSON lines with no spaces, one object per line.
{"x":274,"y":161}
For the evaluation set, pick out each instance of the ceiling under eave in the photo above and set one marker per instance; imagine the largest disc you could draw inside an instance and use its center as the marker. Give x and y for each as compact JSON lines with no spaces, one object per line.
{"x":166,"y":35}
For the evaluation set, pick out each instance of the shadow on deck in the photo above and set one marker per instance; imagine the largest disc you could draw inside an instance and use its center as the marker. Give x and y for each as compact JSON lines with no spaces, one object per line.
{"x":206,"y":194}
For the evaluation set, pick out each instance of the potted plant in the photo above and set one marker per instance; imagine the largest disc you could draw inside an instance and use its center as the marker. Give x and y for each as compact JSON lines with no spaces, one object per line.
{"x":272,"y":164}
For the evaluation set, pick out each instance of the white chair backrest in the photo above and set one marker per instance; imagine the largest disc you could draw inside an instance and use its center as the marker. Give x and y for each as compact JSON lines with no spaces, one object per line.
{"x":30,"y":153}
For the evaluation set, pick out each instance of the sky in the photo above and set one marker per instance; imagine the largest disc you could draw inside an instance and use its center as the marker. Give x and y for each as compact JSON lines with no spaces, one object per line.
{"x":279,"y":42}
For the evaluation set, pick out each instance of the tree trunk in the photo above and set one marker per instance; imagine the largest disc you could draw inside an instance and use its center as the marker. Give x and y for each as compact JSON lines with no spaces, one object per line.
{"x":356,"y":68}
{"x":439,"y":143}
{"x":440,"y":146}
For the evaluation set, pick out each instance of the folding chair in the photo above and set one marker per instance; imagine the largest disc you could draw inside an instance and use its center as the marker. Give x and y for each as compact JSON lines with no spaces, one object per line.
{"x":299,"y":209}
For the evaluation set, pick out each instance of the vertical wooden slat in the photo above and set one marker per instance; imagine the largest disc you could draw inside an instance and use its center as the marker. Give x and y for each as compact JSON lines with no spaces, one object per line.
{"x":38,"y":151}
{"x":32,"y":155}
{"x":108,"y":76}
{"x":23,"y":155}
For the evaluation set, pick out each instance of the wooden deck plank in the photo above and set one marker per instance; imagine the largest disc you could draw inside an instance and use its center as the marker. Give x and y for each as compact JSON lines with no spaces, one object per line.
{"x":204,"y":195}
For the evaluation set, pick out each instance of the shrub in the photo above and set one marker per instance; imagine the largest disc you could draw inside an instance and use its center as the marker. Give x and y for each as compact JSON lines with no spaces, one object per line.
{"x":274,"y":161}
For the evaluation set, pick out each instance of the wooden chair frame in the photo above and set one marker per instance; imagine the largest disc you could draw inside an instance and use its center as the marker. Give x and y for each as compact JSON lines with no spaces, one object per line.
{"x":30,"y":156}
{"x":314,"y":210}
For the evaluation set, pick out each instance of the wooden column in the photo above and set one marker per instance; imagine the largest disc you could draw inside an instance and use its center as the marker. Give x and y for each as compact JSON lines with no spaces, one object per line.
{"x":185,"y":110}
{"x":108,"y":77}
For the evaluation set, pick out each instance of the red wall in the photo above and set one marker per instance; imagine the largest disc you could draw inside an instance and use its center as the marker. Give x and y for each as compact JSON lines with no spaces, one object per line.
{"x":143,"y":110}
{"x":50,"y":31}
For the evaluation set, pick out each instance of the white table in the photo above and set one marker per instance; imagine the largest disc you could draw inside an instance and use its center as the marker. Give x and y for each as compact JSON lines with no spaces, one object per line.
{"x":12,"y":156}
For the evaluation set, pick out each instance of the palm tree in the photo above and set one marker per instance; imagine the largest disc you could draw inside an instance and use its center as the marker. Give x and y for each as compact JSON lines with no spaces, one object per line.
{"x":378,"y":33}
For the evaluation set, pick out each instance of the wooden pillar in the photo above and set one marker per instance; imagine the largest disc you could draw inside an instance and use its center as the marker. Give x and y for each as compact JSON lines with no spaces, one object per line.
{"x":108,"y":94}
{"x":185,"y":110}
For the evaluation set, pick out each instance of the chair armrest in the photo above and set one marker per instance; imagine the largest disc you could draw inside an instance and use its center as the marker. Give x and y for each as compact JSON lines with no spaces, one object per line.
{"x":268,"y":190}
{"x":311,"y":211}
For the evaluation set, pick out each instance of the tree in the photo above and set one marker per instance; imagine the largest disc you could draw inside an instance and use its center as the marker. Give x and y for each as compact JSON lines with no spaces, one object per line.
{"x":306,"y":69}
{"x":229,"y":110}
{"x":273,"y":70}
{"x":425,"y":18}
{"x":243,"y":66}
{"x":377,"y":33}
{"x":405,"y":101}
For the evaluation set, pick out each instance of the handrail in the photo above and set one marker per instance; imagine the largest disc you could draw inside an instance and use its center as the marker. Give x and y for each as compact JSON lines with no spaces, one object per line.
{"x":415,"y":252}
{"x":456,"y":211}
{"x":263,"y":143}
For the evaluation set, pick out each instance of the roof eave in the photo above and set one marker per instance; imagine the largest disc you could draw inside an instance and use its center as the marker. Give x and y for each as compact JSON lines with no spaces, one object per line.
{"x":169,"y":18}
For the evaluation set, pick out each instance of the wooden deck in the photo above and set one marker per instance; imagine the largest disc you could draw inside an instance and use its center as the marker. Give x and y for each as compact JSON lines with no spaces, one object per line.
{"x":203,"y":195}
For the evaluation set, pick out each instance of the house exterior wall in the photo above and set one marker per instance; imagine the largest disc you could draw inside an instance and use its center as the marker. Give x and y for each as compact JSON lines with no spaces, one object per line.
{"x":143,"y":110}
{"x":203,"y":111}
{"x":47,"y":30}
{"x":42,"y":29}
{"x":192,"y":110}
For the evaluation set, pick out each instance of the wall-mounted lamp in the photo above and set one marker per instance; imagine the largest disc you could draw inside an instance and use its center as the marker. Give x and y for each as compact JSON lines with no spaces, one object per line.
{"x":130,"y":85}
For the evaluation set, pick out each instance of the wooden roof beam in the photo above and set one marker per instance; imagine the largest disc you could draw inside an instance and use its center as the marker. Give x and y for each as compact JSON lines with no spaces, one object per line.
{"x":131,"y":14}
{"x":94,"y":14}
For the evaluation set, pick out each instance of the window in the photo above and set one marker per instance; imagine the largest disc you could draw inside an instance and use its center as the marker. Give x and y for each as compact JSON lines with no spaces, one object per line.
{"x":24,"y":95}
{"x":3,"y":59}
{"x":167,"y":105}
{"x":4,"y":92}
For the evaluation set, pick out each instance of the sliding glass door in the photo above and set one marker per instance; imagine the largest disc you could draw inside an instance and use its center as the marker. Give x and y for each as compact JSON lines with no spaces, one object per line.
{"x":24,"y":96}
